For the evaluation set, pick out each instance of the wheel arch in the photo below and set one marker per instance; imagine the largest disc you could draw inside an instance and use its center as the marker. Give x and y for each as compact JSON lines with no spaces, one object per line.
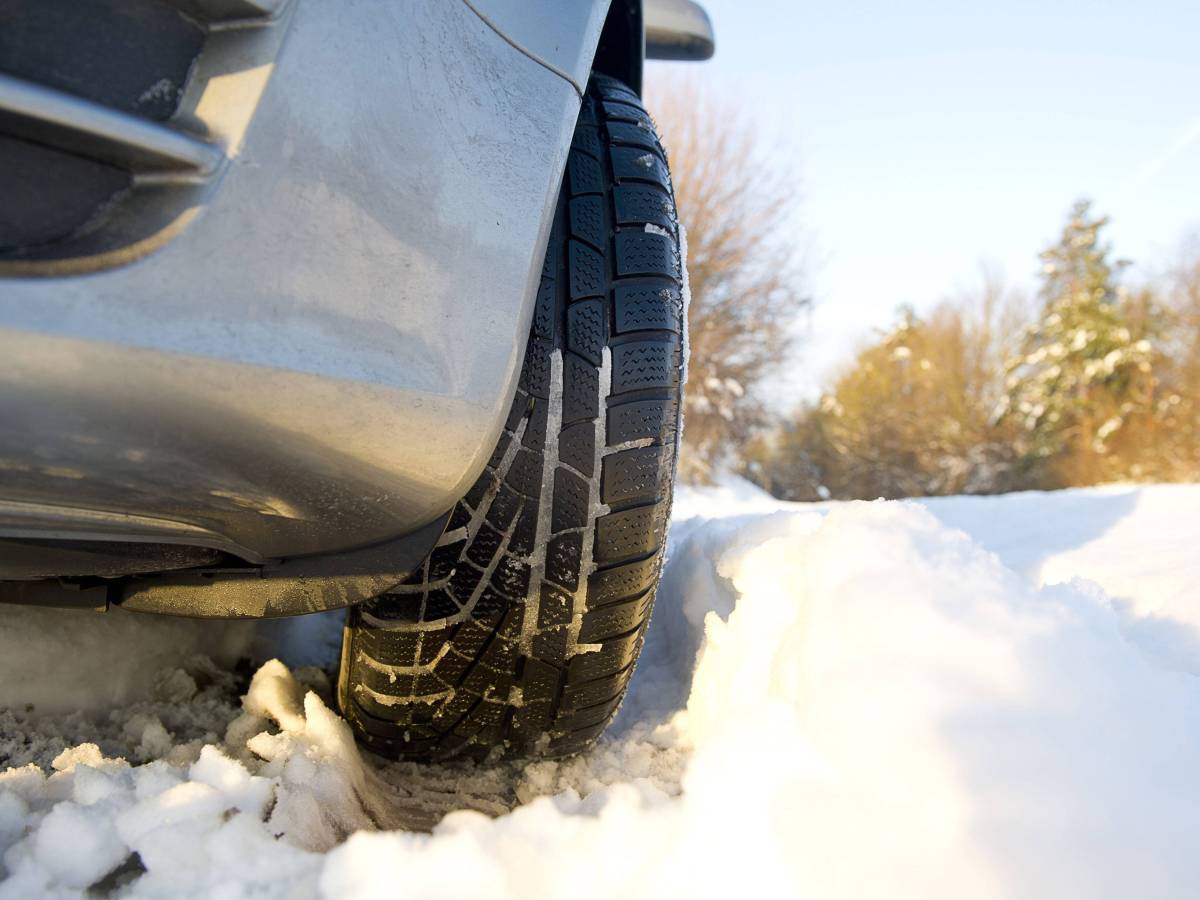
{"x":573,"y":39}
{"x":621,"y":50}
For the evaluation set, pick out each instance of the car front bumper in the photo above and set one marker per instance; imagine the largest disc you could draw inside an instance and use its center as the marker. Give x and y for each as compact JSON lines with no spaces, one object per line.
{"x":323,"y":357}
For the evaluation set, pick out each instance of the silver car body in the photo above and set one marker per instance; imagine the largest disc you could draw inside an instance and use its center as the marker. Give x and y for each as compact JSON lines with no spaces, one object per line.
{"x":316,"y":352}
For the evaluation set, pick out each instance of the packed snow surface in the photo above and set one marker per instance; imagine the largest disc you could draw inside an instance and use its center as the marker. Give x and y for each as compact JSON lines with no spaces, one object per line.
{"x":965,"y":697}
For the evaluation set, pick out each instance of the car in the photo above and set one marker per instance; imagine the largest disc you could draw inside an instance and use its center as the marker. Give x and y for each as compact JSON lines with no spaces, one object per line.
{"x":379,"y":306}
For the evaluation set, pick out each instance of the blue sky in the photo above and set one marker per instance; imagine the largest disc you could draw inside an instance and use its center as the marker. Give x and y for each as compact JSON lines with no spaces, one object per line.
{"x":930,"y":137}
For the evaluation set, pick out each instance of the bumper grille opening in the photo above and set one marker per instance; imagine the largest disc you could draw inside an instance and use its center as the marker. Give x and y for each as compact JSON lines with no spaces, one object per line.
{"x":101,"y":157}
{"x":50,"y":195}
{"x":131,"y":55}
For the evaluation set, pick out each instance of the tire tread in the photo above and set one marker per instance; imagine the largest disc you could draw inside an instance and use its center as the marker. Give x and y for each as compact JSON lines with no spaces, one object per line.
{"x":492,"y":645}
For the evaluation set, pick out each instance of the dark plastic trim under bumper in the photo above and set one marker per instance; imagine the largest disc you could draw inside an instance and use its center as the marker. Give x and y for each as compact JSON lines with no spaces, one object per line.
{"x":288,"y":587}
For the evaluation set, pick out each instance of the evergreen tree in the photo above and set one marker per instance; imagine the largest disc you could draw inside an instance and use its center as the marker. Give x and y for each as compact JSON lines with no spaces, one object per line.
{"x":1085,"y":370}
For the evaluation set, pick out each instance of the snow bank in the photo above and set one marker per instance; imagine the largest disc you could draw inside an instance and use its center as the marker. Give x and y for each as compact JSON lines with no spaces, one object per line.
{"x":60,"y":660}
{"x":838,"y":700}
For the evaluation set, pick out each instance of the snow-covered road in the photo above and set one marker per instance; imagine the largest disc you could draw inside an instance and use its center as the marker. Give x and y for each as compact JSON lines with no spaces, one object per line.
{"x":966,"y":697}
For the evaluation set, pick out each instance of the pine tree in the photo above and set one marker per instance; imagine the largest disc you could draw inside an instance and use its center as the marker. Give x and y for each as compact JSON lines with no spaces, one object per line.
{"x":1085,"y":370}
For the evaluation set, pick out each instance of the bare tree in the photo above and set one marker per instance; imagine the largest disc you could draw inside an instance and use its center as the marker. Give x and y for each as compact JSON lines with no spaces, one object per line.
{"x":913,"y":414}
{"x":737,"y":207}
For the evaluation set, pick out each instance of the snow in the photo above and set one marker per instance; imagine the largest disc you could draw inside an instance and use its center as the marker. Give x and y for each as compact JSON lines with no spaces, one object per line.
{"x":107,"y":655}
{"x":959,"y":697}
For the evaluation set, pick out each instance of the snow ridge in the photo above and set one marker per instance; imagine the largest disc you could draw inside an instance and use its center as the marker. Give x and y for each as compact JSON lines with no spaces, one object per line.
{"x":836,"y":700}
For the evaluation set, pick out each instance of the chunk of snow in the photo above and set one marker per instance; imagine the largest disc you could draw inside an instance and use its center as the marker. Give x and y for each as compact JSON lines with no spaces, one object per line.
{"x":75,"y":846}
{"x":245,"y":792}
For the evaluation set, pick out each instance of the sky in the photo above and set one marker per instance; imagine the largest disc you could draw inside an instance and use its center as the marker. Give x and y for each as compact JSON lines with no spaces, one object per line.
{"x":931,"y":138}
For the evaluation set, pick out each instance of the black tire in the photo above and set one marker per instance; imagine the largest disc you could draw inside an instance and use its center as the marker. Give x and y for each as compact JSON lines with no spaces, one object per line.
{"x":522,"y":630}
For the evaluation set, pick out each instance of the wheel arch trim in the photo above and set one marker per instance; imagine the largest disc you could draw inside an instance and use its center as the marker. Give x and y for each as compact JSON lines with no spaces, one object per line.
{"x":564,"y":40}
